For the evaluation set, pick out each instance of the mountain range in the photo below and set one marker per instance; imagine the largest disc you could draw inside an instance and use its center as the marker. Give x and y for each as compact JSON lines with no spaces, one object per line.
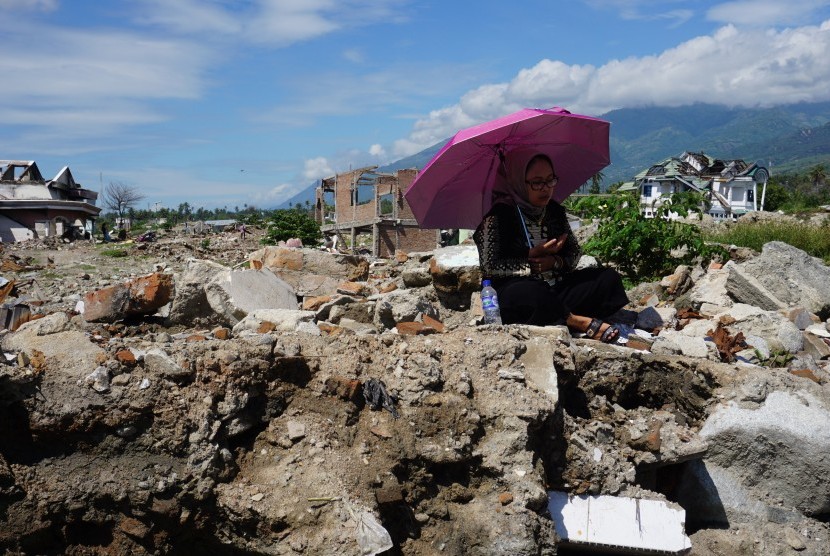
{"x":787,"y":138}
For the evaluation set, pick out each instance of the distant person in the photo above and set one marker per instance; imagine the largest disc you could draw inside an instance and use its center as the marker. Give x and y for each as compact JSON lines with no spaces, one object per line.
{"x":106,"y":232}
{"x":243,"y":231}
{"x":186,"y":228}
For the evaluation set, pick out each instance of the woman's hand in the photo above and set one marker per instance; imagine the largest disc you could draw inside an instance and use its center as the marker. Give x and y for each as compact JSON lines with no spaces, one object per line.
{"x":543,"y":258}
{"x":545,"y":263}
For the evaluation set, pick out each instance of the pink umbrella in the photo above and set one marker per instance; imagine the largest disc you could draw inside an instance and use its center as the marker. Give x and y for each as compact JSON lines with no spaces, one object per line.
{"x":454,"y":190}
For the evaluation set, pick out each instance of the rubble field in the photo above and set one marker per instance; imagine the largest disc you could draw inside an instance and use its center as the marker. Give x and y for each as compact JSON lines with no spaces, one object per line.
{"x":192,"y":397}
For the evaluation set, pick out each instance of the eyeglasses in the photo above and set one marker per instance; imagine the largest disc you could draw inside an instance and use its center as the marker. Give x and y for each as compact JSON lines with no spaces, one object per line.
{"x":538,"y":185}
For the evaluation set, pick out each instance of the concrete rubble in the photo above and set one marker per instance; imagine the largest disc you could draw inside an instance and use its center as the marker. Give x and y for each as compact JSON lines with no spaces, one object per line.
{"x":212,"y":401}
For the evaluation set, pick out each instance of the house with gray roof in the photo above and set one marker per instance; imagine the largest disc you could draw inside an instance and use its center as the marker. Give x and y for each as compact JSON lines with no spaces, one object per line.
{"x":33,"y":207}
{"x":731,"y":187}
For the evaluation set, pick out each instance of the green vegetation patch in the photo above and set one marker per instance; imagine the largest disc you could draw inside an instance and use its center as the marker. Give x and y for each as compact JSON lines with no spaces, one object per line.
{"x":115,"y":252}
{"x":811,"y":239}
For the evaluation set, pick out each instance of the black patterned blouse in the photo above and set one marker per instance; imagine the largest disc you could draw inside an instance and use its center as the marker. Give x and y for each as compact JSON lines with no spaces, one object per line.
{"x":502,"y":244}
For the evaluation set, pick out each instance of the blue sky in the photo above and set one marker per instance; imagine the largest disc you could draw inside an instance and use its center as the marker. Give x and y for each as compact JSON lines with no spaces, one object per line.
{"x":234,"y":102}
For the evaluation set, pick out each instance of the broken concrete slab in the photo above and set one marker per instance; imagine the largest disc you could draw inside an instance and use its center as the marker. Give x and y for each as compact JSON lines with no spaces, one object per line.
{"x":625,"y":525}
{"x":190,"y":302}
{"x":539,"y":367}
{"x":310,"y":272}
{"x":66,"y":350}
{"x":455,"y":269}
{"x":781,"y":276}
{"x":283,"y":320}
{"x":232,"y":294}
{"x":790,"y":433}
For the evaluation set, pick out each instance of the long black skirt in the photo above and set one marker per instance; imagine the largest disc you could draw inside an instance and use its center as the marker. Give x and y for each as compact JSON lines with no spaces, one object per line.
{"x":589,"y":292}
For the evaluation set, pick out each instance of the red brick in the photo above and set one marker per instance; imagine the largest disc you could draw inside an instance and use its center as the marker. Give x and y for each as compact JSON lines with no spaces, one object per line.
{"x":435,"y":324}
{"x":351,"y":288}
{"x":125,"y":357}
{"x":266,"y":326}
{"x":314,"y":303}
{"x":348,"y":389}
{"x":806,"y":373}
{"x":412,"y":328}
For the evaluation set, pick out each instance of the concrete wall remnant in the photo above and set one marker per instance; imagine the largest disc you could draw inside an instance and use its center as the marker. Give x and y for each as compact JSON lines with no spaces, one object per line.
{"x":365,"y":201}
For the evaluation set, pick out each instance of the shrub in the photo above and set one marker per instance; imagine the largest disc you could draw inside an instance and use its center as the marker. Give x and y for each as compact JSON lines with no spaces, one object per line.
{"x":285,"y":224}
{"x":645,"y":249}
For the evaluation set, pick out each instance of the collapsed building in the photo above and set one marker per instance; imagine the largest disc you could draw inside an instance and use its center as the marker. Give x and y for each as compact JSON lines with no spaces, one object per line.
{"x":368,"y":202}
{"x":32,"y":207}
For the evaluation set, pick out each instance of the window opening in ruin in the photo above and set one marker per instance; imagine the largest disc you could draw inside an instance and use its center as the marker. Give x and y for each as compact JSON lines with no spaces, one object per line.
{"x":386,"y":205}
{"x":327,"y":208}
{"x":363,"y":189}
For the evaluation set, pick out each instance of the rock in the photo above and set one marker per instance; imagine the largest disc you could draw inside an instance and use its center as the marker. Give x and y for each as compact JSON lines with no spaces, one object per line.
{"x":455,"y":269}
{"x":190,"y":300}
{"x":284,"y":320}
{"x":539,"y":367}
{"x":401,"y":306}
{"x":790,"y":433}
{"x":233,"y":294}
{"x":712,"y":289}
{"x":772,"y":326}
{"x":141,"y":296}
{"x":296,"y":431}
{"x":782,"y":276}
{"x":310,"y":272}
{"x":69,"y":352}
{"x":157,"y":361}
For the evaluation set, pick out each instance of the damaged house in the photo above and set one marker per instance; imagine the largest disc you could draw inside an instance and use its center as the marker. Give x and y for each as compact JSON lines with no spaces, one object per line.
{"x":368,"y":203}
{"x":730,"y":186}
{"x":32,"y":207}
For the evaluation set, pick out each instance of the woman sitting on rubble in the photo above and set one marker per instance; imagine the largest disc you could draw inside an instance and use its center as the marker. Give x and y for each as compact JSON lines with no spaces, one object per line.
{"x":529,"y":252}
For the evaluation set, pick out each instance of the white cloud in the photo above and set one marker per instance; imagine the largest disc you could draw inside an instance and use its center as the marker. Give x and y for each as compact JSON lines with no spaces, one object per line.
{"x":276,"y":195}
{"x":275,"y":22}
{"x":647,"y":10}
{"x":377,"y":150}
{"x":344,"y":93}
{"x":763,"y":69}
{"x":354,"y":55}
{"x":765,"y":12}
{"x":92,"y":85}
{"x":29,"y":5}
{"x":188,"y":16}
{"x":317,"y":168}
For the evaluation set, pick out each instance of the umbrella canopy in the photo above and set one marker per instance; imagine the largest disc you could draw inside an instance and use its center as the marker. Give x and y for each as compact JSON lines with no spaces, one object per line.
{"x":454,"y":190}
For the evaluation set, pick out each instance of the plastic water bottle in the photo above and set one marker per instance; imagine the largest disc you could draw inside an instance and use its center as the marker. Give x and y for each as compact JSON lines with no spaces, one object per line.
{"x":490,"y":304}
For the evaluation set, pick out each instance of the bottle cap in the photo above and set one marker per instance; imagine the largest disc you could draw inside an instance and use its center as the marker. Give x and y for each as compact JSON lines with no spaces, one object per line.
{"x":485,"y":283}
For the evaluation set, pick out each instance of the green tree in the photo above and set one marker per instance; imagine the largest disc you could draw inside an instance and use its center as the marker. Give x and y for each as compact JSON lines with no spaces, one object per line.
{"x":289,"y":223}
{"x":614,"y":186}
{"x":776,"y":196}
{"x":817,"y":175}
{"x":645,"y":249}
{"x":596,"y":181}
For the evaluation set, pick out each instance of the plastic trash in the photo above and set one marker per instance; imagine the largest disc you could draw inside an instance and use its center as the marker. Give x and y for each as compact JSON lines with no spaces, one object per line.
{"x":372,"y":537}
{"x":374,"y":391}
